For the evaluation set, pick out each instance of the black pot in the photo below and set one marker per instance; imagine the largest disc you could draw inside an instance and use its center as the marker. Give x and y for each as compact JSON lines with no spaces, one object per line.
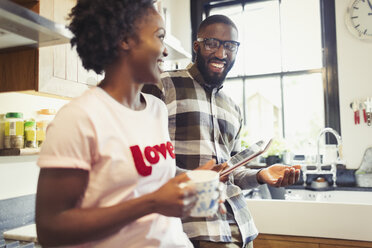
{"x":273,"y":159}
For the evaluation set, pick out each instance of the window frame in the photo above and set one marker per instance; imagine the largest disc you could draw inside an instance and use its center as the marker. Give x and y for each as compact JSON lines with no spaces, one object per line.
{"x":329,"y":49}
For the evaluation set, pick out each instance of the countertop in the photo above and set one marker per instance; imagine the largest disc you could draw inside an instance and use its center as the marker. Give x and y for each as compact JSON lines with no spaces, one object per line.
{"x":355,"y":188}
{"x":313,"y":219}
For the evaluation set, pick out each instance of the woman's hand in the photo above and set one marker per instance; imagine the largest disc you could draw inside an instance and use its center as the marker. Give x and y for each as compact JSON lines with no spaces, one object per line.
{"x":211,"y":165}
{"x":175,"y":198}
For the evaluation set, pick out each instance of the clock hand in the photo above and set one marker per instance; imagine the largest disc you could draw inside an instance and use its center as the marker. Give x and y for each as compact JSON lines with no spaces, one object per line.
{"x":369,"y":3}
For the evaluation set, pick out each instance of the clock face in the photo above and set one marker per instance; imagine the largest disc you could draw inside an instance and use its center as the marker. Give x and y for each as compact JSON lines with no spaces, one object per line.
{"x":359,"y":19}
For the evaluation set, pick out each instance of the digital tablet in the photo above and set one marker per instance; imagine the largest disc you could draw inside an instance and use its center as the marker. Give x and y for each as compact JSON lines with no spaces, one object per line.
{"x":245,"y":156}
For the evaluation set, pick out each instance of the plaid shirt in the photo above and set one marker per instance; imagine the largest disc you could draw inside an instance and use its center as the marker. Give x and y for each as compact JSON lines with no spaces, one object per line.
{"x":204,"y":123}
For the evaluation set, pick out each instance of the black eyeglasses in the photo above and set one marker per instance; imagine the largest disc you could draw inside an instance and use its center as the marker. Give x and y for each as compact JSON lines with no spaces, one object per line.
{"x":213,"y":44}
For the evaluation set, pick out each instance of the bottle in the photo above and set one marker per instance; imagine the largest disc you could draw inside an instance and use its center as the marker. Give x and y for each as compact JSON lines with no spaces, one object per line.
{"x":30,"y":134}
{"x":44,"y":117}
{"x":14,"y":130}
{"x":40,"y":132}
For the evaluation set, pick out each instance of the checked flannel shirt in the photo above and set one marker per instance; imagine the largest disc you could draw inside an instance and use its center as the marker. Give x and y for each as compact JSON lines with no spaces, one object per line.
{"x":204,"y":123}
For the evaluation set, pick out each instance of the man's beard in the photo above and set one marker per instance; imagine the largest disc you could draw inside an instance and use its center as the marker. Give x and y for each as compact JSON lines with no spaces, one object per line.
{"x":212,"y":79}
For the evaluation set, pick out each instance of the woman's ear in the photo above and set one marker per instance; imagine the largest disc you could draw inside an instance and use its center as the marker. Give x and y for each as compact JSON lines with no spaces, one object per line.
{"x":128,"y":43}
{"x":124,"y":44}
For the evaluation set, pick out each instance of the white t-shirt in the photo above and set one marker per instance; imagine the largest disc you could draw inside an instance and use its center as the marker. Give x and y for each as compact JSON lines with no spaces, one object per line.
{"x":127,"y":153}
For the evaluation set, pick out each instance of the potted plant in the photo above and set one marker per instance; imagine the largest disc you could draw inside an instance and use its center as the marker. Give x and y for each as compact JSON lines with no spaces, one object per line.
{"x":275,"y":152}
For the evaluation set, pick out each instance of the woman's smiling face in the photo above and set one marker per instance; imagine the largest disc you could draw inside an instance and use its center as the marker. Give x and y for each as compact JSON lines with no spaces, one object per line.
{"x":148,"y":52}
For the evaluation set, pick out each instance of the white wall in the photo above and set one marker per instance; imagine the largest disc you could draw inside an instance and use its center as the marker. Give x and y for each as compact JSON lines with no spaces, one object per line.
{"x":28,"y":104}
{"x":19,"y":174}
{"x":355,"y":82}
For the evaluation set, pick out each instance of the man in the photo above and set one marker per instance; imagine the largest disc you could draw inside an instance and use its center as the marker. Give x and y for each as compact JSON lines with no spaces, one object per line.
{"x":205,"y":123}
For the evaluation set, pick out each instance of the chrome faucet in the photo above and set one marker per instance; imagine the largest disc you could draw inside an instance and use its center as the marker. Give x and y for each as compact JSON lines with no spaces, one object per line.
{"x":339,"y":145}
{"x":318,"y":161}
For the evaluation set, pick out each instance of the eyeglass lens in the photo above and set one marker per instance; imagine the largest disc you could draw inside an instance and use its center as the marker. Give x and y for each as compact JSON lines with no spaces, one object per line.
{"x":213,"y":44}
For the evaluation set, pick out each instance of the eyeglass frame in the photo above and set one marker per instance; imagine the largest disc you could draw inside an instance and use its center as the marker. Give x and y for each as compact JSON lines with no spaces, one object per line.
{"x":222,"y":42}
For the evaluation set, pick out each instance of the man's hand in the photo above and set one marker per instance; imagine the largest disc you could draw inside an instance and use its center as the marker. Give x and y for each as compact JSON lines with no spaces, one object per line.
{"x":208,"y":165}
{"x":279,"y":175}
{"x":211,"y":165}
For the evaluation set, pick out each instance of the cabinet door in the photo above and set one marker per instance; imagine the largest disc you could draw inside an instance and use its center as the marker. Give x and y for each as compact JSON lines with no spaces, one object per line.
{"x":18,"y":70}
{"x":60,"y":69}
{"x":338,"y":246}
{"x":265,"y":243}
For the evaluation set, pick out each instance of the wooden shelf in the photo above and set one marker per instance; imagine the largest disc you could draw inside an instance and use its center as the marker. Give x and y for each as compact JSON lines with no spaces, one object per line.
{"x":15,"y":152}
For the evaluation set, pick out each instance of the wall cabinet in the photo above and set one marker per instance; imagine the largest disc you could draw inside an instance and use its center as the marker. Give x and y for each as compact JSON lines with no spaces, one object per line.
{"x":283,"y":241}
{"x":55,"y":70}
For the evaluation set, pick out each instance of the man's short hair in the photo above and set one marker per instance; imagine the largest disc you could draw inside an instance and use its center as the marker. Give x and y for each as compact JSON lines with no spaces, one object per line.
{"x":215,"y":19}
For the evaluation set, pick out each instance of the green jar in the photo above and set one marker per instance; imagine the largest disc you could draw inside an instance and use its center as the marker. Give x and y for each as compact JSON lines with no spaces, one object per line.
{"x":30,"y":134}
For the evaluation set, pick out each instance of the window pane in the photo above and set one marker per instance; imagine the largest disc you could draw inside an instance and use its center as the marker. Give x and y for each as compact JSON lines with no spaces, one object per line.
{"x":234,"y":89}
{"x":301,"y":34}
{"x":235,"y":14}
{"x":303,"y":110}
{"x":260,"y":35}
{"x":263,"y":108}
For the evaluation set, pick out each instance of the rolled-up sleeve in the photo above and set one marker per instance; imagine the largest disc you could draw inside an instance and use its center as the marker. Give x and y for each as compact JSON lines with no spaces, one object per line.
{"x":246,"y":178}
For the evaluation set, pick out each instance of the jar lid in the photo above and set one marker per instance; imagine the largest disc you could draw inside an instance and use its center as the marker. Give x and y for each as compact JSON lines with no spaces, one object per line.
{"x":14,"y":115}
{"x":41,"y":124}
{"x":30,"y":123}
{"x":47,"y":112}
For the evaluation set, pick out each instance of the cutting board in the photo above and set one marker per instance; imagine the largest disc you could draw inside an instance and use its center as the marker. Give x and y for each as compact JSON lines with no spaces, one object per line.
{"x":24,"y":233}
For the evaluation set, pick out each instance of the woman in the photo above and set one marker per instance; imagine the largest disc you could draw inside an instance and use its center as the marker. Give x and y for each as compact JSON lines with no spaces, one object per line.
{"x":107,"y":162}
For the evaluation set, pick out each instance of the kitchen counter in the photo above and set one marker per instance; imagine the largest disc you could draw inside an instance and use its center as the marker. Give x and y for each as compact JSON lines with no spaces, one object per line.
{"x":352,"y":221}
{"x":340,"y":188}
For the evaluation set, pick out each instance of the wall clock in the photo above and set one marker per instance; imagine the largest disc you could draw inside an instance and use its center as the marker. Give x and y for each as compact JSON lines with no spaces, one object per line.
{"x":359,"y":19}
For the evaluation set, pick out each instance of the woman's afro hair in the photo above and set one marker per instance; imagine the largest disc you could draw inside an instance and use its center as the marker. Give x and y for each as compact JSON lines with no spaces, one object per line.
{"x":99,"y":26}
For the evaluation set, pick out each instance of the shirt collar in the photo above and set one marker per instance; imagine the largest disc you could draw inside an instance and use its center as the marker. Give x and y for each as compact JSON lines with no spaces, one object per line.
{"x":198,"y":77}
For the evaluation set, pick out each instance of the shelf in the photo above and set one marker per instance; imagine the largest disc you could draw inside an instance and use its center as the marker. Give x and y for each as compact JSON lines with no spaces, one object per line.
{"x":18,"y":159}
{"x":14,"y":152}
{"x":175,"y":50}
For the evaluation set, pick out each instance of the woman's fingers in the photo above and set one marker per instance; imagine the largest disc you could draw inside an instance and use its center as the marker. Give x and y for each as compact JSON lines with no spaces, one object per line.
{"x":208,"y":166}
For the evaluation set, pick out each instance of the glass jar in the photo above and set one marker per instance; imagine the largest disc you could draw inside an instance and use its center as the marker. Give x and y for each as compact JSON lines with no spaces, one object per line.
{"x":30,"y":134}
{"x":14,"y":130}
{"x":40,"y":132}
{"x":44,"y":117}
{"x":2,"y":130}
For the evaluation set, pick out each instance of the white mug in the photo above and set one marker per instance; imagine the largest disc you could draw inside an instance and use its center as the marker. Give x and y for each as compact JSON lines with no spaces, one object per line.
{"x":208,"y":187}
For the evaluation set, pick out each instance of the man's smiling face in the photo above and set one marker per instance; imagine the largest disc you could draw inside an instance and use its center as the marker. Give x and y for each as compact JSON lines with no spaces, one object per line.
{"x":216,"y":63}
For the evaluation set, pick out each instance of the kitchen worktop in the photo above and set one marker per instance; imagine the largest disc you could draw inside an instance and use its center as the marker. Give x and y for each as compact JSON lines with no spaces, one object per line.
{"x":341,"y":188}
{"x":352,"y":221}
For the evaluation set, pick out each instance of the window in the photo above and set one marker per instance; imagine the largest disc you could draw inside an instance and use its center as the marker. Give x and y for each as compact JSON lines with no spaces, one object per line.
{"x":280,"y":77}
